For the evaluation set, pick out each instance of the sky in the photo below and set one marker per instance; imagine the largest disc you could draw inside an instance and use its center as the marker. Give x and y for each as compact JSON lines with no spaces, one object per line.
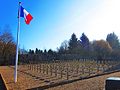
{"x":56,"y":20}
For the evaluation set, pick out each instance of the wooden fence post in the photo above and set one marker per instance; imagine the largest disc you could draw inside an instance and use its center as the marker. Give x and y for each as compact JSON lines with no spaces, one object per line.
{"x":40,"y":67}
{"x":89,"y":70}
{"x":83,"y":69}
{"x":50,"y":69}
{"x":37,"y":67}
{"x":43,"y":68}
{"x":67,"y":72}
{"x":97,"y":67}
{"x":55,"y":70}
{"x":47,"y":68}
{"x":77,"y":68}
{"x":61,"y":72}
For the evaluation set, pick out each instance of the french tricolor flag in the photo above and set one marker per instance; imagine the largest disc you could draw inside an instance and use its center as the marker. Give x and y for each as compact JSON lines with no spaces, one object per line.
{"x":25,"y":15}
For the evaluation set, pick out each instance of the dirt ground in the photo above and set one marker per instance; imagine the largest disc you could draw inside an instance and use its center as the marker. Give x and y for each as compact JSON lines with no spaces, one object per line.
{"x":26,"y":81}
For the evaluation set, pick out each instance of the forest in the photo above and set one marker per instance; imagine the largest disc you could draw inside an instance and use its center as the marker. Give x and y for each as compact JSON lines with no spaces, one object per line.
{"x":81,"y":48}
{"x":72,"y":49}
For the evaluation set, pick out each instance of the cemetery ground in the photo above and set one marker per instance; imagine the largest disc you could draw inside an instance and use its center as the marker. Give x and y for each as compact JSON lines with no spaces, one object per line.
{"x":68,"y":75}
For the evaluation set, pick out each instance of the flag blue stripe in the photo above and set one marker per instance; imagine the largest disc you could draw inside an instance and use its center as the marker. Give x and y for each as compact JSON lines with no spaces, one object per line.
{"x":21,"y":11}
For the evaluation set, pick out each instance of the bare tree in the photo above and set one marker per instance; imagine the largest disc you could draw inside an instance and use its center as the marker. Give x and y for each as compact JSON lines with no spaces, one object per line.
{"x":7,"y":48}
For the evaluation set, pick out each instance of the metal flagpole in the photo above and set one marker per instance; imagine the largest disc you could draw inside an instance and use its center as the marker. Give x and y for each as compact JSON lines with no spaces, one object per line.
{"x":17,"y":46}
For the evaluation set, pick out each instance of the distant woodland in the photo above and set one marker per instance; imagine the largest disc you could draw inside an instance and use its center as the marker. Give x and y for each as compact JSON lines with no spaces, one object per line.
{"x":72,"y":49}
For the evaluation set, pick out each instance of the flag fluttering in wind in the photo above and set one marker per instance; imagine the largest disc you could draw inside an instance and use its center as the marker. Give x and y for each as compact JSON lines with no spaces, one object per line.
{"x":21,"y":13}
{"x":26,"y":15}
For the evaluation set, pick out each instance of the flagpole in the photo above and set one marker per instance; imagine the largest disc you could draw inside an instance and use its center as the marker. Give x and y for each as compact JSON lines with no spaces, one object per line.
{"x":17,"y":46}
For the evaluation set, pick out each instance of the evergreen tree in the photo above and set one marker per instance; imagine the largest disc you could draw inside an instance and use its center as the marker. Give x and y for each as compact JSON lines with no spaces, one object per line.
{"x":73,"y":42}
{"x":31,"y":51}
{"x":85,"y":41}
{"x":113,"y":40}
{"x":36,"y":51}
{"x":50,"y":51}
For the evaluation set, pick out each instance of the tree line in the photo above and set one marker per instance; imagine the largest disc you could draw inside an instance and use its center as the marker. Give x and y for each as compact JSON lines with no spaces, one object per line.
{"x":97,"y":49}
{"x":81,"y":48}
{"x":74,"y":48}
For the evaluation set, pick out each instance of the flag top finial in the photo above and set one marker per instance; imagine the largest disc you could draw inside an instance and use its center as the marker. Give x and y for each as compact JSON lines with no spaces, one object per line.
{"x":19,"y":3}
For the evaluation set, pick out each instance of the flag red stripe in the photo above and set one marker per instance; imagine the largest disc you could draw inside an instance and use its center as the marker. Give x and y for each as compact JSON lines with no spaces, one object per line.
{"x":28,"y":18}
